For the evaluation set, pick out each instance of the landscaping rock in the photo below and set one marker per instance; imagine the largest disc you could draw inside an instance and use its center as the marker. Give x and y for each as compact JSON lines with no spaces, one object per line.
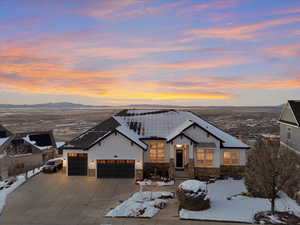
{"x":297,"y":197}
{"x":192,"y":195}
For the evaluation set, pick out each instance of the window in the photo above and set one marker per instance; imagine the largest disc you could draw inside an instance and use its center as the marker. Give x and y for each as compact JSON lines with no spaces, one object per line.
{"x":231,"y":158}
{"x":205,"y":157}
{"x":157,"y":152}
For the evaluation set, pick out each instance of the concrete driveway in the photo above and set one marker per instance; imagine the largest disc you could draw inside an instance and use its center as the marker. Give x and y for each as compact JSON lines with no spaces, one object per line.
{"x":55,"y":199}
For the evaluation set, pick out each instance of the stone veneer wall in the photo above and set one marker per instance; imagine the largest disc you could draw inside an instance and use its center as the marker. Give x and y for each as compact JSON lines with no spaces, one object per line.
{"x":161,"y":169}
{"x":139,"y":174}
{"x":232,"y":171}
{"x":91,"y":172}
{"x":207,"y":172}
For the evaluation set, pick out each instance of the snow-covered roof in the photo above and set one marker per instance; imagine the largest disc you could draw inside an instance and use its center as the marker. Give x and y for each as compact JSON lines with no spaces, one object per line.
{"x":5,"y":136}
{"x":3,"y":140}
{"x":131,"y":135}
{"x":147,"y":124}
{"x":179,"y":129}
{"x":169,"y":123}
{"x":60,"y":144}
{"x":28,"y":140}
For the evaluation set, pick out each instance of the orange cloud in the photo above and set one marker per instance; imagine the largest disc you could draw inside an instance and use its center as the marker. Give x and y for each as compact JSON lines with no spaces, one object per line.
{"x":206,"y":83}
{"x":244,"y":32}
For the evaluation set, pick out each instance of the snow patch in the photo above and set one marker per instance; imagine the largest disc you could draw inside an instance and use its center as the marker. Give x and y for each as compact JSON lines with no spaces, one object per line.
{"x":141,"y":204}
{"x":225,"y":207}
{"x":156,"y":183}
{"x":6,"y":189}
{"x":193,"y":185}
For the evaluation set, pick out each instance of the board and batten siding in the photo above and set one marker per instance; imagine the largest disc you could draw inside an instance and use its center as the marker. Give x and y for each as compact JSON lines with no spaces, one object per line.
{"x":294,"y":140}
{"x":181,"y":140}
{"x":201,"y":135}
{"x":113,"y":147}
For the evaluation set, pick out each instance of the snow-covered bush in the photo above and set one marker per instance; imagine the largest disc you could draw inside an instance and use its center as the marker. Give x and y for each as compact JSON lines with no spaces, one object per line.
{"x":192,"y":195}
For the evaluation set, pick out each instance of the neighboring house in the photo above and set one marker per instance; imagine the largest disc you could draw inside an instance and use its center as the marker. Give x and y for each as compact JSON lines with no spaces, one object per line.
{"x":25,"y":151}
{"x":5,"y":137}
{"x":60,"y":147}
{"x":138,"y":143}
{"x":290,"y":125}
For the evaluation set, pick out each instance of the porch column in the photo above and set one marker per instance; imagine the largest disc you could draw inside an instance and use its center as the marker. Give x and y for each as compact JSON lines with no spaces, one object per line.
{"x":191,"y":165}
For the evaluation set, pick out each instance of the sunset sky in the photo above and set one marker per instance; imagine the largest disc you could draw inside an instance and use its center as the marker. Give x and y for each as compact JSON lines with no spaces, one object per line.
{"x":113,"y":52}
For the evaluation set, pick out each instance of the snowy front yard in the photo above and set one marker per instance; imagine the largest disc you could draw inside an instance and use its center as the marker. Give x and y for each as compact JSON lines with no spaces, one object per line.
{"x":156,"y":183}
{"x":228,"y":205}
{"x":142,"y":204}
{"x":10,"y":185}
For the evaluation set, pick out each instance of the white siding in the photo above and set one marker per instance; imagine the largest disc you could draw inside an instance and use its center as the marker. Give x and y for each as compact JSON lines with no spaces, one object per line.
{"x":181,"y":141}
{"x":200,"y":135}
{"x":294,"y":141}
{"x":113,"y":147}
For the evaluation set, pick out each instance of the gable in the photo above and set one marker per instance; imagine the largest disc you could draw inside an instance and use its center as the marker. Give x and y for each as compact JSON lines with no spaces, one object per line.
{"x":200,"y":135}
{"x":116,"y":146}
{"x":288,"y":116}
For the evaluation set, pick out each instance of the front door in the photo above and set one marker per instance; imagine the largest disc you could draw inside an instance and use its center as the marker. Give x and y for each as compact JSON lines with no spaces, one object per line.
{"x":179,"y":158}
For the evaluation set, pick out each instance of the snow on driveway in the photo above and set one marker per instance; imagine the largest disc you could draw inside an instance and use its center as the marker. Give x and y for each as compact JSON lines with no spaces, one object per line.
{"x":239,"y":208}
{"x":7,"y":189}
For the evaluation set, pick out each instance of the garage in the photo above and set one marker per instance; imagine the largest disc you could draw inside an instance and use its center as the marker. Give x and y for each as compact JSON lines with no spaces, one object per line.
{"x":115,"y":168}
{"x":77,"y":164}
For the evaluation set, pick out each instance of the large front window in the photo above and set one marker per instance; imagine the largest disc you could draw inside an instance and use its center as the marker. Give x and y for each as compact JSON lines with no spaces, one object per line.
{"x":157,"y":152}
{"x":231,"y":158}
{"x":205,"y":157}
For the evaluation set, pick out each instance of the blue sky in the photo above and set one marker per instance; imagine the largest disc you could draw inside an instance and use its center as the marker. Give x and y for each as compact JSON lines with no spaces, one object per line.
{"x":216,"y":52}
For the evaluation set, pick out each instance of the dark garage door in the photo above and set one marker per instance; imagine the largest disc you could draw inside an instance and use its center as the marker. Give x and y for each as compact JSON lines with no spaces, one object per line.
{"x":115,"y":168}
{"x":77,"y":164}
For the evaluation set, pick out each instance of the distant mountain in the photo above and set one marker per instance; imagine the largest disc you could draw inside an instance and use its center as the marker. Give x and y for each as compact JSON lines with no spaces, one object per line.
{"x":50,"y":105}
{"x":74,"y":105}
{"x":156,"y":106}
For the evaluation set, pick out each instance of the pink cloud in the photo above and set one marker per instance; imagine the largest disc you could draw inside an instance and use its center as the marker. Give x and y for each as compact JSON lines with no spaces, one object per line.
{"x":284,"y":50}
{"x":209,"y":5}
{"x":243,"y":32}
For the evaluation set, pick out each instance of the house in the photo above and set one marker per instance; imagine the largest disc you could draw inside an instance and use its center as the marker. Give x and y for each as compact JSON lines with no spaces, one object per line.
{"x":5,"y":137}
{"x":141,"y":143}
{"x":290,"y":125}
{"x":20,"y":152}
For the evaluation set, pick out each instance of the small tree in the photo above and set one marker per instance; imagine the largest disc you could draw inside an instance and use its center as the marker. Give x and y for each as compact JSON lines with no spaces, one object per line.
{"x":270,"y":169}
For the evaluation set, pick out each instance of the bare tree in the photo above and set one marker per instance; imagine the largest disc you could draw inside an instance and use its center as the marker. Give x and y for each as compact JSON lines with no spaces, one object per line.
{"x":271,"y":169}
